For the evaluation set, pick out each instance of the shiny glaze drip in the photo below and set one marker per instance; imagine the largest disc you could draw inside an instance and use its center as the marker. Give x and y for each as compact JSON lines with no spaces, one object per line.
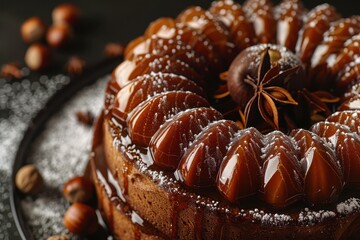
{"x":147,"y":117}
{"x":147,"y":86}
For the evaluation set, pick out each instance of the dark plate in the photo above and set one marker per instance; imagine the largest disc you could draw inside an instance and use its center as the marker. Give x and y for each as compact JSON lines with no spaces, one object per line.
{"x":37,"y":125}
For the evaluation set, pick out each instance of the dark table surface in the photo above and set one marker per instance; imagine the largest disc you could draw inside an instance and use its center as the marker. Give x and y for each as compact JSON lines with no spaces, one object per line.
{"x":102,"y":22}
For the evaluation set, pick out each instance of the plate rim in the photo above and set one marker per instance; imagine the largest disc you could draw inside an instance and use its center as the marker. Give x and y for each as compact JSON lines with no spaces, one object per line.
{"x":37,"y":124}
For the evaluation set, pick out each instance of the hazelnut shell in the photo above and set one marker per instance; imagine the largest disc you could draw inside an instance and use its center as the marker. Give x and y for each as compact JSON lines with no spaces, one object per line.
{"x":29,"y":180}
{"x":79,"y":189}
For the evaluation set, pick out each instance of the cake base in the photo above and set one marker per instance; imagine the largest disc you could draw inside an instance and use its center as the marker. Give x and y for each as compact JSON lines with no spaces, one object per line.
{"x":139,"y":205}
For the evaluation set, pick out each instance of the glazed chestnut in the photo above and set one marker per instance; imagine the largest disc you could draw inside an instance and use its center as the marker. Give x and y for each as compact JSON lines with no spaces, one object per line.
{"x":245,"y":68}
{"x":282,"y":180}
{"x":81,"y":219}
{"x":38,"y":57}
{"x":148,"y":116}
{"x":79,"y":189}
{"x":66,"y":13}
{"x":200,"y":163}
{"x":323,"y":181}
{"x":239,"y":175}
{"x":169,"y":142}
{"x":346,"y":145}
{"x":33,"y":29}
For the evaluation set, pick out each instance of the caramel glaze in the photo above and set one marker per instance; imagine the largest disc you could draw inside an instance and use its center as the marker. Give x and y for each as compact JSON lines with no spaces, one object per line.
{"x":210,"y":215}
{"x":108,"y":187}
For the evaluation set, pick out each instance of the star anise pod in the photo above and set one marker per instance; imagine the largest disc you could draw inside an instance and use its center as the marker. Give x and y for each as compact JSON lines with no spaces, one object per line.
{"x":269,"y":91}
{"x":318,"y":103}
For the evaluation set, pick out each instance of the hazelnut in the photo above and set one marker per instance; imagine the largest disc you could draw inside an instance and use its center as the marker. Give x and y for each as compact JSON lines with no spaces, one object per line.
{"x":113,"y":50}
{"x":81,"y":219}
{"x":59,"y":237}
{"x":85,"y":117}
{"x":75,"y":65}
{"x":79,"y":189}
{"x":29,"y":180}
{"x":37,"y":57}
{"x":11,"y":70}
{"x":33,"y":29}
{"x":66,"y":13}
{"x":59,"y":35}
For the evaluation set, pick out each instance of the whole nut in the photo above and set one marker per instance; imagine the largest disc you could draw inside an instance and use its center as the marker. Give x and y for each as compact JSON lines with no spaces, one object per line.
{"x":29,"y":180}
{"x":79,"y":189}
{"x":66,"y":13}
{"x":81,"y":219}
{"x":33,"y":29}
{"x":59,"y":35}
{"x":37,"y":57}
{"x":59,"y":237}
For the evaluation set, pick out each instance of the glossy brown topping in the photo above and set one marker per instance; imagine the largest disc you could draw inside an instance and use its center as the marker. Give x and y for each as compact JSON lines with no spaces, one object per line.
{"x":260,"y":13}
{"x":333,"y":40}
{"x":201,"y":161}
{"x":352,"y":103}
{"x":347,"y":148}
{"x":239,"y":174}
{"x":258,"y":80}
{"x":147,"y":117}
{"x":172,"y":139}
{"x":348,"y":77}
{"x":288,"y":14}
{"x":168,"y":29}
{"x":169,"y":47}
{"x":282,"y":182}
{"x":323,"y":180}
{"x":129,"y":70}
{"x":146,"y":86}
{"x":347,"y":54}
{"x":234,"y":18}
{"x":317,"y":21}
{"x":204,"y":22}
{"x":352,"y":91}
{"x":349,"y":118}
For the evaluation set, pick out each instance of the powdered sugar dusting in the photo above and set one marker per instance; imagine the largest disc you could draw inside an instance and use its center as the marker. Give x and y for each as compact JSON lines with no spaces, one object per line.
{"x":349,"y":206}
{"x":19,"y":102}
{"x":61,"y":151}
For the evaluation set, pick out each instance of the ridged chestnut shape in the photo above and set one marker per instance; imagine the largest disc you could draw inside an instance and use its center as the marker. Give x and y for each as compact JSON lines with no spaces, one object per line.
{"x":347,"y":148}
{"x":348,"y":77}
{"x":234,"y":18}
{"x":346,"y":55}
{"x":169,"y":47}
{"x":200,"y":163}
{"x":204,"y":22}
{"x":334,"y":40}
{"x":147,"y":117}
{"x":350,"y":118}
{"x":317,"y":22}
{"x":352,"y":103}
{"x":260,"y":13}
{"x":288,"y":15}
{"x":323,"y":180}
{"x":282,"y":182}
{"x":148,"y":85}
{"x":172,"y":139}
{"x":239,"y":175}
{"x":129,"y":70}
{"x":168,"y":28}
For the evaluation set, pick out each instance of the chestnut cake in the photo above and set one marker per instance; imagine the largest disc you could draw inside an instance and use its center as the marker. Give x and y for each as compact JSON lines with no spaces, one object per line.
{"x":236,"y":122}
